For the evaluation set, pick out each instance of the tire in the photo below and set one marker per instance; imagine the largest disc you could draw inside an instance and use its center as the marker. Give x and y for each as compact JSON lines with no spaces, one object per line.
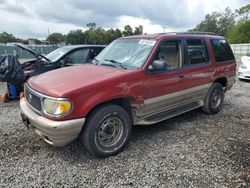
{"x":107,"y":130}
{"x":214,"y":99}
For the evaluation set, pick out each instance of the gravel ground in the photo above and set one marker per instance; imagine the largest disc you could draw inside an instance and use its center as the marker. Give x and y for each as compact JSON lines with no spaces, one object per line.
{"x":191,"y":150}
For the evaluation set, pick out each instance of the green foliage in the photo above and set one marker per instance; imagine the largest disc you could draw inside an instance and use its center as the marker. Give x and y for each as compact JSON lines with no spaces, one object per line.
{"x":138,"y":30}
{"x":244,"y":12}
{"x":75,"y":37}
{"x":217,"y":22}
{"x":6,"y":37}
{"x":97,"y":35}
{"x":55,"y":38}
{"x":127,"y":30}
{"x":240,"y":33}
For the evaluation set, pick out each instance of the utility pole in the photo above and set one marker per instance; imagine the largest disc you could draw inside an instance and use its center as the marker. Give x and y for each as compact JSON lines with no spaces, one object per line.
{"x":164,"y":29}
{"x":48,"y":35}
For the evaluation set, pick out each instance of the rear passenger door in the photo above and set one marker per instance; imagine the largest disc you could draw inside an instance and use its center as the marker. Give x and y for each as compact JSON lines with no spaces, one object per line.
{"x":198,"y":69}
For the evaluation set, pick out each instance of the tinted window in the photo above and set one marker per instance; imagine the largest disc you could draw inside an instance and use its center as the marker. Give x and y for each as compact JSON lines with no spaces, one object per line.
{"x":222,"y":50}
{"x":196,"y":52}
{"x":77,"y":57}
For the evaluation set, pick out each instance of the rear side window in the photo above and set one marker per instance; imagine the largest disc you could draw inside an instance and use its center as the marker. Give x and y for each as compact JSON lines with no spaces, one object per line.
{"x":196,"y":52}
{"x":222,"y":50}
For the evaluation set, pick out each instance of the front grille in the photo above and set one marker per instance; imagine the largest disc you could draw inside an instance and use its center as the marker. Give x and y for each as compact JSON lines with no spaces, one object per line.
{"x":33,"y":99}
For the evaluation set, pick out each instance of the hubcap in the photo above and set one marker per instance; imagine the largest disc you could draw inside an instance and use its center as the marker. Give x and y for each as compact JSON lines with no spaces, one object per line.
{"x":216,"y":99}
{"x":110,"y":131}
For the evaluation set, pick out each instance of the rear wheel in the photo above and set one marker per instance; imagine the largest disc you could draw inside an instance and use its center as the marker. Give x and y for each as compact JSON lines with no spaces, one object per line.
{"x":107,"y":130}
{"x":214,"y":99}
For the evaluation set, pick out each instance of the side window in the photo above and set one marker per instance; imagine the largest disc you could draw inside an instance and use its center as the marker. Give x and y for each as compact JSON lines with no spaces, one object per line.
{"x":196,"y":52}
{"x":169,"y":52}
{"x":77,"y":57}
{"x":94,"y":52}
{"x":222,"y":50}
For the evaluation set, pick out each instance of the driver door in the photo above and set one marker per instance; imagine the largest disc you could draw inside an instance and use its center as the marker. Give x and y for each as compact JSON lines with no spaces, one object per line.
{"x":165,"y":89}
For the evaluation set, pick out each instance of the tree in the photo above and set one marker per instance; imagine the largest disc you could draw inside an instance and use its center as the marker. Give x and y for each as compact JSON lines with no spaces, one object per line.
{"x":244,"y":12}
{"x":138,"y":30}
{"x":75,"y":37}
{"x":217,"y":22}
{"x":55,"y":38}
{"x":225,"y":22}
{"x":6,"y":37}
{"x":127,"y":30}
{"x":110,"y":35}
{"x":118,"y":33}
{"x":91,"y":26}
{"x":240,"y":33}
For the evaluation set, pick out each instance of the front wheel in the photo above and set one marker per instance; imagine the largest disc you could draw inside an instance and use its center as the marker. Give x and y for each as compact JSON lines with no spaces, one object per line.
{"x":214,"y":99}
{"x":107,"y":130}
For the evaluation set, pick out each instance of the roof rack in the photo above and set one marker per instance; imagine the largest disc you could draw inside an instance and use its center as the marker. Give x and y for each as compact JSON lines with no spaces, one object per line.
{"x":191,"y":33}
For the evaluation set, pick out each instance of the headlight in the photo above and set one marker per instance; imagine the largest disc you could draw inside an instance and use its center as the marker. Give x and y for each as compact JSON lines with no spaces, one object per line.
{"x":243,"y":66}
{"x":56,"y":107}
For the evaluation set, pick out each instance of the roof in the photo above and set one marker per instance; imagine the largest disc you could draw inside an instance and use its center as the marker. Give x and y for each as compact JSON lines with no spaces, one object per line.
{"x":70,"y":47}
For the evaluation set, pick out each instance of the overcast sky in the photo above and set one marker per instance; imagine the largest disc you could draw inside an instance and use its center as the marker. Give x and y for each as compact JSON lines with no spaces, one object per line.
{"x":35,"y":18}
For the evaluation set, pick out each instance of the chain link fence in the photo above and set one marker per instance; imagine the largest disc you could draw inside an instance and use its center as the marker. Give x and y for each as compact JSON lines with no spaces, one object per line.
{"x":240,"y":49}
{"x":23,"y":54}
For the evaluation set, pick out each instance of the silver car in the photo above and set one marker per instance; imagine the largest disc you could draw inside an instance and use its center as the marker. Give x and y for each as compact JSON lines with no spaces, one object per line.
{"x":244,"y":69}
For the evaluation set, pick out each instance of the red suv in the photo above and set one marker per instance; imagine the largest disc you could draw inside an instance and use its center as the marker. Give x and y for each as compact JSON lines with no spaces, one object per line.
{"x":134,"y":80}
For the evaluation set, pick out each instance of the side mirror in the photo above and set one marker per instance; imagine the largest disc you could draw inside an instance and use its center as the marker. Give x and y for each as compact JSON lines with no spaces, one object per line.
{"x":157,"y":65}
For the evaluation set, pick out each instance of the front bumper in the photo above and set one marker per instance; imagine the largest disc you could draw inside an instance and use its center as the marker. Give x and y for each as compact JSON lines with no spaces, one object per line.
{"x":56,"y":133}
{"x":244,"y":74}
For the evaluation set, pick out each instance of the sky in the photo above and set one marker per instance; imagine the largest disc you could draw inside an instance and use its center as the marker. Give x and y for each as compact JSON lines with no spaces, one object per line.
{"x":38,"y":18}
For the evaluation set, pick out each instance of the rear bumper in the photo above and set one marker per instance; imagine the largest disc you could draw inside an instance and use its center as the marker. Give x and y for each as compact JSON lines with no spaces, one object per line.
{"x":56,"y":133}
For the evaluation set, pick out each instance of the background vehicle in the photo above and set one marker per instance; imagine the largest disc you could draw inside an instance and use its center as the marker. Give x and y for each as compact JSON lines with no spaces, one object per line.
{"x":244,"y":69}
{"x":129,"y":83}
{"x":64,"y":56}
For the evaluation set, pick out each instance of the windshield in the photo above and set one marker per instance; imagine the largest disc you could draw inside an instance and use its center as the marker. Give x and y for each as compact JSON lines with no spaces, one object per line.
{"x":57,"y":54}
{"x":127,"y":52}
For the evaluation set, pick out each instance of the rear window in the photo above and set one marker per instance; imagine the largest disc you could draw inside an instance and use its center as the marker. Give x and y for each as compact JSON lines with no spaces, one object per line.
{"x":222,"y":50}
{"x":197,"y":52}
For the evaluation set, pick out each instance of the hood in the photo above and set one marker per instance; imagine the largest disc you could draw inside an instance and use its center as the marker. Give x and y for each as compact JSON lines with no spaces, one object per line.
{"x":33,"y":52}
{"x":246,"y":60}
{"x":61,"y":82}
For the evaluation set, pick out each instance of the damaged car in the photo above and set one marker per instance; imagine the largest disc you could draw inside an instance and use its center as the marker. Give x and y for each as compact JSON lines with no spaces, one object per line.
{"x":15,"y":73}
{"x":244,"y":69}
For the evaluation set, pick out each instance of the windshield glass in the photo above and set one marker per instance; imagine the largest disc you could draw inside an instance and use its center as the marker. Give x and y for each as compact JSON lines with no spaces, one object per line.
{"x":56,"y":54}
{"x":127,"y":52}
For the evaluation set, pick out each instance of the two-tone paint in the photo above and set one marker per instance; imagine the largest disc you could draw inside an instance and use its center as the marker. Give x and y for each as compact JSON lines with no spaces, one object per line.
{"x":149,"y":97}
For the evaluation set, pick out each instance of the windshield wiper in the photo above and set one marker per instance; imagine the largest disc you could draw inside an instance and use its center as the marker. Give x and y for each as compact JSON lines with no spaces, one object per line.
{"x":116,"y":62}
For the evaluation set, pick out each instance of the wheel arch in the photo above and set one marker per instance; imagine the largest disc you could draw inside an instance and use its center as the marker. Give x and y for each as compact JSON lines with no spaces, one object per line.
{"x":124,"y":102}
{"x":223,"y":81}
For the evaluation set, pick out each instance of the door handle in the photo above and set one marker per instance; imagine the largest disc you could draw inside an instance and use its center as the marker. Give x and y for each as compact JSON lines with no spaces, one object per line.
{"x":181,"y":75}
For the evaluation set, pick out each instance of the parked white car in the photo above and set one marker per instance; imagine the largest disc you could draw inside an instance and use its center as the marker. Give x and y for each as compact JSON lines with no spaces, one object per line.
{"x":244,"y":69}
